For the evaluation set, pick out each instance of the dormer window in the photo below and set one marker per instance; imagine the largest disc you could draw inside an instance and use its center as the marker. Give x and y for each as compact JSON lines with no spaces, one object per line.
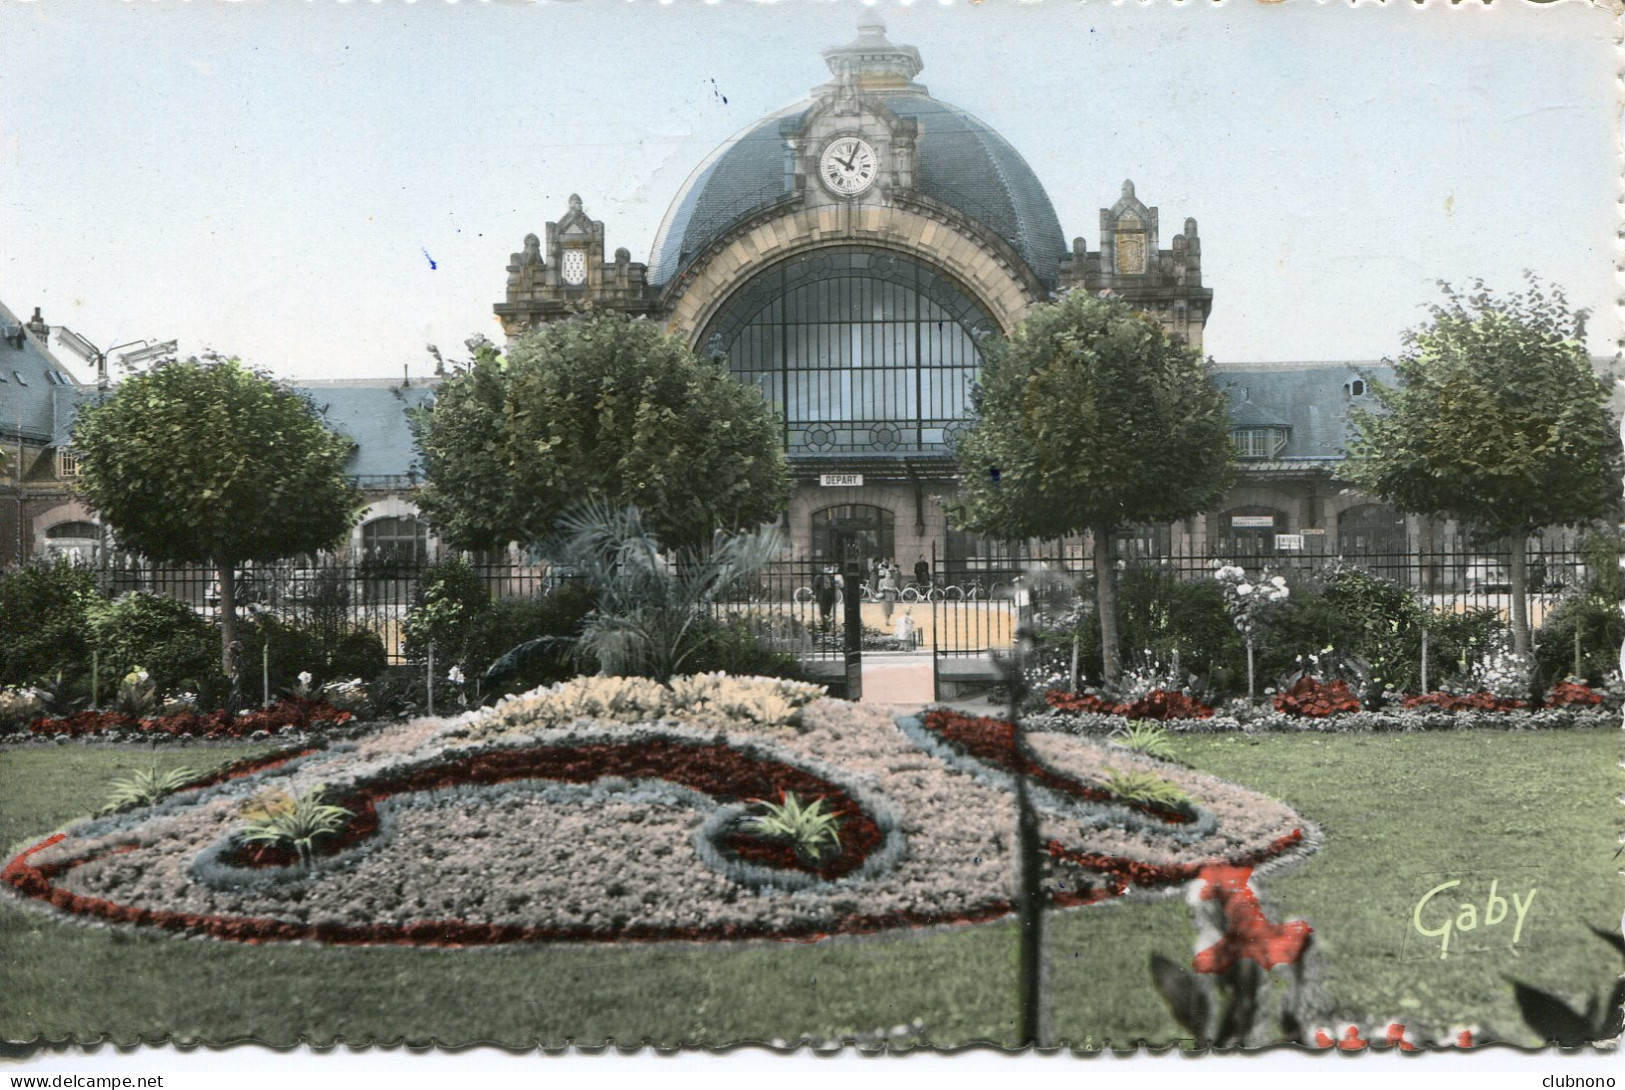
{"x":1259,"y":443}
{"x":1355,"y":387}
{"x":67,"y":463}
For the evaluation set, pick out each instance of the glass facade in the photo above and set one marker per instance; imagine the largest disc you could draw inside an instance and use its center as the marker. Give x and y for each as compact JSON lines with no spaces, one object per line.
{"x":862,"y":352}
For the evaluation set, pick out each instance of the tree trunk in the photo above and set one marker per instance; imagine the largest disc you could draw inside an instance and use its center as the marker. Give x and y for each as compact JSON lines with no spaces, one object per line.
{"x":225,"y":571}
{"x":1106,"y":606}
{"x":1520,"y":592}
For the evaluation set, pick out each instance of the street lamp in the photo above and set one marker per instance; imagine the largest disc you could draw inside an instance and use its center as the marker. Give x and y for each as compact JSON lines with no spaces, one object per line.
{"x":143,"y":351}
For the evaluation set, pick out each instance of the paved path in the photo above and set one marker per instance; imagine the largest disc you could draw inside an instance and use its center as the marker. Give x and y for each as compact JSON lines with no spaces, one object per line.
{"x":897,"y":677}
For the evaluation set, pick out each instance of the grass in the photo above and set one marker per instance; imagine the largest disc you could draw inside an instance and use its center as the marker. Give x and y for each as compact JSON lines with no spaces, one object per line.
{"x":1401,"y":815}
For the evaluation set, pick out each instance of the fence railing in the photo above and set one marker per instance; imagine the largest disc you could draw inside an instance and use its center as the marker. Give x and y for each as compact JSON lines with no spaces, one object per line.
{"x":962,"y":611}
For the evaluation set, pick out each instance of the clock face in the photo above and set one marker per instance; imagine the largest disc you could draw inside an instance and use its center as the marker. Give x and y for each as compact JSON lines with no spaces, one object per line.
{"x":848,"y":166}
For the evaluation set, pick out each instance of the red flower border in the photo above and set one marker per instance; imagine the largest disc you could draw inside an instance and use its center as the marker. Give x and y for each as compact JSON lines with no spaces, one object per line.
{"x":290,"y":711}
{"x":1158,"y":704}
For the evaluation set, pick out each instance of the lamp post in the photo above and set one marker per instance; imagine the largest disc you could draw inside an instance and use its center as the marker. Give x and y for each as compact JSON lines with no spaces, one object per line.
{"x":144,"y":351}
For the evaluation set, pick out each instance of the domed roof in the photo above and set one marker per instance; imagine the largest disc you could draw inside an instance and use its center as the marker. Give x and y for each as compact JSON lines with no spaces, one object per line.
{"x":961,"y":162}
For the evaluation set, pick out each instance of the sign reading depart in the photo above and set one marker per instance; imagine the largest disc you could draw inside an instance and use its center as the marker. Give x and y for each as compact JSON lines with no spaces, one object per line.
{"x":841,"y":480}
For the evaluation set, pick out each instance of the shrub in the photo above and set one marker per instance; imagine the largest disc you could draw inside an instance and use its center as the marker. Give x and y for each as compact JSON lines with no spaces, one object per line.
{"x":731,"y":649}
{"x":1600,"y":628}
{"x":1459,"y":640}
{"x":508,"y":622}
{"x":164,"y":636}
{"x":450,"y":599}
{"x":1166,"y":615}
{"x":298,"y":646}
{"x":44,"y":612}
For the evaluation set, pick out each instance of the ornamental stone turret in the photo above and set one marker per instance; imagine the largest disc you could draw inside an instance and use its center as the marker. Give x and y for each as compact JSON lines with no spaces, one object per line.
{"x":570,"y":275}
{"x":1131,"y":265}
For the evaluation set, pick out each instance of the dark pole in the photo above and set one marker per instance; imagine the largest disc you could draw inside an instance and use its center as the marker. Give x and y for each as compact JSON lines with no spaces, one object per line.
{"x":1034,"y":1029}
{"x":852,"y":618}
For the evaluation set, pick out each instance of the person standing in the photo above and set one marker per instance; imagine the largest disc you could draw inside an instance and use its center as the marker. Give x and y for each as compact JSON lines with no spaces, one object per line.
{"x":922,"y":573}
{"x":824,"y":592}
{"x":888,"y":589}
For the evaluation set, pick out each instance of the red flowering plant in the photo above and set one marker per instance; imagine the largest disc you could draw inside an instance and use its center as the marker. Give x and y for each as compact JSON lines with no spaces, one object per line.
{"x":1150,"y":689}
{"x":1316,"y":699}
{"x":299,"y":714}
{"x":1570,"y":692}
{"x":1231,"y":994}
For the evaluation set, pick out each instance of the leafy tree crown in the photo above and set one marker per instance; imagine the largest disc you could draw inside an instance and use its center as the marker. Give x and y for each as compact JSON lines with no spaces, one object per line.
{"x":598,"y":407}
{"x":1498,"y":417}
{"x":1091,"y":417}
{"x":205,"y":459}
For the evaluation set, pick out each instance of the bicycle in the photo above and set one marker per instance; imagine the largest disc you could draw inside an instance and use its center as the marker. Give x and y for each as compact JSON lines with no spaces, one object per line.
{"x":922,"y":592}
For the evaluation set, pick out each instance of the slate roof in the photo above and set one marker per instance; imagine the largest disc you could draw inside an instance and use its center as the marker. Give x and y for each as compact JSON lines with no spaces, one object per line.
{"x":376,"y":418}
{"x":373,"y":415}
{"x":1312,"y":399}
{"x":34,"y":386}
{"x":961,"y":162}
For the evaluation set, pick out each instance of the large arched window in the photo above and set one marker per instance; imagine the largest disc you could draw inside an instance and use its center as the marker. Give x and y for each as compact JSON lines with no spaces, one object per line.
{"x":863,"y":352}
{"x":395,"y":539}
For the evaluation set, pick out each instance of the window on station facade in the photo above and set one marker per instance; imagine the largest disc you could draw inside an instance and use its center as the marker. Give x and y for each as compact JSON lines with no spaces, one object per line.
{"x":395,"y":539}
{"x":1244,"y":532}
{"x":1370,"y":529}
{"x":1142,"y":543}
{"x":1256,"y":443}
{"x":853,"y":533}
{"x":861,"y":351}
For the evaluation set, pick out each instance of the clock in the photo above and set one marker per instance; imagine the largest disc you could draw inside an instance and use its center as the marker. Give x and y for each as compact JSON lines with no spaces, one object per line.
{"x":848,"y":166}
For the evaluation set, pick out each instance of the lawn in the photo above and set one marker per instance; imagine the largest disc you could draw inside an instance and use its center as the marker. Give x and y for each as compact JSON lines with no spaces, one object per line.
{"x":1402,"y":814}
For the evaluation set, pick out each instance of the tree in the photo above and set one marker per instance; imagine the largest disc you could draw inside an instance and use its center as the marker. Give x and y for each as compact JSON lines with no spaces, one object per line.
{"x":1091,"y":418}
{"x":208,"y":461}
{"x":1498,"y":420}
{"x":598,"y":407}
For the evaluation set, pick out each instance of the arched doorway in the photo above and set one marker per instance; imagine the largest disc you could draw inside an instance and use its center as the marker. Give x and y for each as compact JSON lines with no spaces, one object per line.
{"x":853,"y":533}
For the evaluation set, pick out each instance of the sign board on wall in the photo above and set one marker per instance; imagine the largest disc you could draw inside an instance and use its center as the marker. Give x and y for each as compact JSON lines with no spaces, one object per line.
{"x":841,"y":480}
{"x":1289,"y":543}
{"x":1253,"y":522}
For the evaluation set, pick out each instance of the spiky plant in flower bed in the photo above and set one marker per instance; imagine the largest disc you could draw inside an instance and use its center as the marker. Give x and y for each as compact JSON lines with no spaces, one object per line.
{"x":146,"y":787}
{"x":1146,"y":738}
{"x":1145,"y":787}
{"x":810,"y":828}
{"x":278,"y":819}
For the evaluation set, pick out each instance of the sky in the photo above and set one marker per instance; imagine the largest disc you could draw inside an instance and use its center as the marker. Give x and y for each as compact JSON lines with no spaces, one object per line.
{"x":325,"y":189}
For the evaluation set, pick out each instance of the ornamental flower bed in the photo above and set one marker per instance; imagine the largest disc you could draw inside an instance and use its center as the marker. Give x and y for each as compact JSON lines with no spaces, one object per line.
{"x":1458,"y":702}
{"x":1315,"y":699}
{"x":535,"y":821}
{"x":292,"y":712}
{"x":1160,"y":704}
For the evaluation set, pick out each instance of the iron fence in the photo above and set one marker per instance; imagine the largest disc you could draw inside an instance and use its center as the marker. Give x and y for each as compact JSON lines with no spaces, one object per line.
{"x":964,"y":611}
